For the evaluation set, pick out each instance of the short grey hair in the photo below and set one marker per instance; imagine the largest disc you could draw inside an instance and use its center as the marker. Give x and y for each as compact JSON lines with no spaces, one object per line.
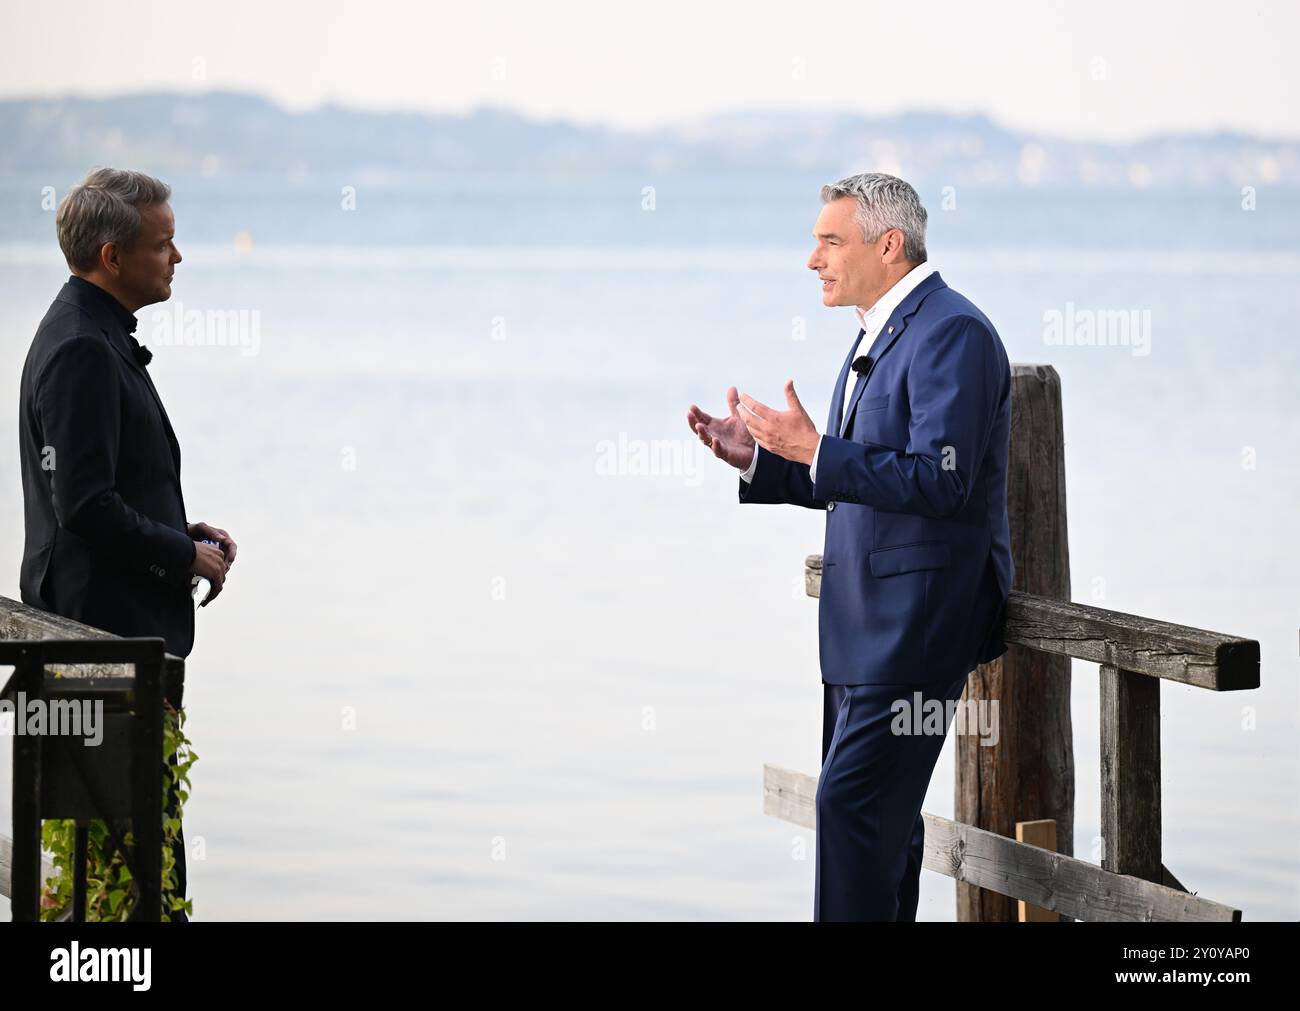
{"x":884,"y":202}
{"x":104,"y":207}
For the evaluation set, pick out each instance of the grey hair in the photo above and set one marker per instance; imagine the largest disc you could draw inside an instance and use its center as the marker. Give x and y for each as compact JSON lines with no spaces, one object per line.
{"x":884,"y":202}
{"x":104,"y":207}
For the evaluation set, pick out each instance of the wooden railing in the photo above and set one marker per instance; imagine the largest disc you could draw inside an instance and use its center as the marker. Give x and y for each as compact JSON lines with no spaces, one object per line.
{"x":1135,"y":654}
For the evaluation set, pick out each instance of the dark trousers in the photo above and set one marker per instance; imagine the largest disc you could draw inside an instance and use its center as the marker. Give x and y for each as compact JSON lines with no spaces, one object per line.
{"x":870,"y":834}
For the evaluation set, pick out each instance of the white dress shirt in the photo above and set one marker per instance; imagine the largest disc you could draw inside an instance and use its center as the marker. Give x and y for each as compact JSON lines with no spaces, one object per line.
{"x":872,"y":320}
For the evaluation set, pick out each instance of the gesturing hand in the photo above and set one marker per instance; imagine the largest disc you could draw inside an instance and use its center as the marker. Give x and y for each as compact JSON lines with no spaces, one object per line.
{"x":790,"y":434}
{"x":727,"y":437}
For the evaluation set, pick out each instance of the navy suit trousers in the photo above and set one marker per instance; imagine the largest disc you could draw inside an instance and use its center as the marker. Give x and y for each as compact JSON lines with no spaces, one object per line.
{"x":870,"y":834}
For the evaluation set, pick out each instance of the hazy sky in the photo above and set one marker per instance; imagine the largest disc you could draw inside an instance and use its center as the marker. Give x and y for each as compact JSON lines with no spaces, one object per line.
{"x":1113,"y":69}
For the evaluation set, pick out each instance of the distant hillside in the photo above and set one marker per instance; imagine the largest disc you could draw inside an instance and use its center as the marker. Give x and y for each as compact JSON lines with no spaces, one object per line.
{"x":224,"y":132}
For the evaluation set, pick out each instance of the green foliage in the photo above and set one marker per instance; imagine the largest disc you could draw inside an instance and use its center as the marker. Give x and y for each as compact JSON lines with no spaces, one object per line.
{"x":110,"y":889}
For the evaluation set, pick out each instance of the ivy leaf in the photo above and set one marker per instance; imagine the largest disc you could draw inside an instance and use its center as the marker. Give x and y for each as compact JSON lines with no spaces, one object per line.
{"x":109,"y":882}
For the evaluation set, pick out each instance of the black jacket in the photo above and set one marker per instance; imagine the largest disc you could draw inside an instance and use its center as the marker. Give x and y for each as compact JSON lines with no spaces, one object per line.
{"x":106,"y":540}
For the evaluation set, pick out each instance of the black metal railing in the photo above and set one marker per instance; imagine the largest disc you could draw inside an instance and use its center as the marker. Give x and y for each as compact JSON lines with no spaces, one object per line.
{"x":118,"y":780}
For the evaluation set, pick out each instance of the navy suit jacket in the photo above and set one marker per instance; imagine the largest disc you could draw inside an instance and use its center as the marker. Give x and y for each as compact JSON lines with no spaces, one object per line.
{"x":917,"y":563}
{"x":106,"y":540}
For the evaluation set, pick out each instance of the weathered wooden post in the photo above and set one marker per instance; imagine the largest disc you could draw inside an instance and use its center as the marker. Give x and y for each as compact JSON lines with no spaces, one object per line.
{"x":1130,"y":773}
{"x":1029,"y":774}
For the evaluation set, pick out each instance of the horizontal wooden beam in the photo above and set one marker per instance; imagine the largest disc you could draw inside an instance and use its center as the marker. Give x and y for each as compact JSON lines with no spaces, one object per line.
{"x":1071,"y":887}
{"x":1192,"y":656}
{"x":20,"y":621}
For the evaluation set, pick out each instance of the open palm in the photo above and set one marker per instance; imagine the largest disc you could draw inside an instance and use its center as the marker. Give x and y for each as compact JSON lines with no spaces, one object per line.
{"x":727,"y":437}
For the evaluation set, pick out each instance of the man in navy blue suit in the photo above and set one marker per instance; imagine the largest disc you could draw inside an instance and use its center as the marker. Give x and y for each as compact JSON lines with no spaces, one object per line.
{"x":912,"y":474}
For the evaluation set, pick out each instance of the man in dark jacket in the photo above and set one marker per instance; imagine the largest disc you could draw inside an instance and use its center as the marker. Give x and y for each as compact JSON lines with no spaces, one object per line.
{"x":107,"y":541}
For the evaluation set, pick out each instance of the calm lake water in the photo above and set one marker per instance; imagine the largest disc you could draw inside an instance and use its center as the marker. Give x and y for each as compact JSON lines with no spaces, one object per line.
{"x":476,"y":662}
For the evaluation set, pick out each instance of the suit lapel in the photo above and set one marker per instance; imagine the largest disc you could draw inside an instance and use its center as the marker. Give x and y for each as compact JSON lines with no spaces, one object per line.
{"x":128,"y":355}
{"x":889,"y":334}
{"x":837,"y":396}
{"x":112,"y":332}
